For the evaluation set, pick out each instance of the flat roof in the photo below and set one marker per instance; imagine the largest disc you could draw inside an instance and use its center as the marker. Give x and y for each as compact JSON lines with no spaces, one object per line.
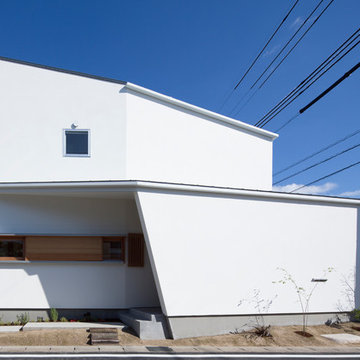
{"x":50,"y":187}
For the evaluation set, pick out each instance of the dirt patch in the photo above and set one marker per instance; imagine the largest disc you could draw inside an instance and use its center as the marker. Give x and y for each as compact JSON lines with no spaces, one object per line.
{"x":45,"y":338}
{"x":281,"y":336}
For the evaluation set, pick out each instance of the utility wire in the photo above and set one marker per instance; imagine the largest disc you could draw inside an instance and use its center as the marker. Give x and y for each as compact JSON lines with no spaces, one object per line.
{"x":285,"y":46}
{"x":327,"y":176}
{"x":322,"y":66}
{"x":311,"y":103}
{"x":271,"y":37}
{"x":290,"y":51}
{"x":318,"y":152}
{"x":336,"y":83}
{"x":263,"y":123}
{"x":313,"y":23}
{"x":318,"y":163}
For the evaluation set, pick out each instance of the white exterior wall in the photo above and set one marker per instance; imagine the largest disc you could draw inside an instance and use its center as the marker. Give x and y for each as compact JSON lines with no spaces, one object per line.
{"x":214,"y":251}
{"x":132,"y":136}
{"x":37,"y":104}
{"x":44,"y":284}
{"x":169,"y":144}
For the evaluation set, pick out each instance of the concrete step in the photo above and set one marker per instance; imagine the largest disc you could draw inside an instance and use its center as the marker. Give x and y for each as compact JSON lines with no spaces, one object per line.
{"x":151,"y":314}
{"x":147,"y":325}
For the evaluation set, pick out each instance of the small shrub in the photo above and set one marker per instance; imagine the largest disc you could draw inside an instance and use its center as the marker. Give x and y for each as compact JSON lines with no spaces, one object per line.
{"x":262,"y":331}
{"x":64,"y":319}
{"x":54,"y":315}
{"x":355,"y":315}
{"x":22,"y":319}
{"x":39,"y":319}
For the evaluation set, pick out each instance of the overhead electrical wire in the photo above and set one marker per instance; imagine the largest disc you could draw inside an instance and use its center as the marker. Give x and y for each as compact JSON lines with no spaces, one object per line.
{"x":327,"y":176}
{"x":263,"y":123}
{"x":262,"y":50}
{"x":325,"y":92}
{"x":288,"y":42}
{"x":318,"y":163}
{"x":327,"y":147}
{"x":259,"y":54}
{"x":336,"y":83}
{"x":282,"y":60}
{"x":294,"y":46}
{"x":315,"y":72}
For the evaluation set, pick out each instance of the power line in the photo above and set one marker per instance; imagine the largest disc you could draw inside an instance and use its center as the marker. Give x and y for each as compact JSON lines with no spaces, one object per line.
{"x":285,"y":46}
{"x":327,"y":176}
{"x":318,"y":152}
{"x":304,"y":89}
{"x":318,"y":163}
{"x":271,"y":37}
{"x":336,"y":83}
{"x":325,"y":92}
{"x":290,"y":51}
{"x":227,"y":97}
{"x":315,"y":72}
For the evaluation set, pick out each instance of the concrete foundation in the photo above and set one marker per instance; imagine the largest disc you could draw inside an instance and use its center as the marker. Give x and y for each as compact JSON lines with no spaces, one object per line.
{"x":183,"y":327}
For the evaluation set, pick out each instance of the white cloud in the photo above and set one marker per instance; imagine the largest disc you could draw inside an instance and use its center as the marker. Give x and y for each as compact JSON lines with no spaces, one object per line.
{"x":312,"y":189}
{"x":296,"y":22}
{"x":271,"y":51}
{"x":355,"y":193}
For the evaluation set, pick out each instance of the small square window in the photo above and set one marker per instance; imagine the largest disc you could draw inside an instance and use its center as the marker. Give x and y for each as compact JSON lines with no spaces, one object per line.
{"x":77,"y":142}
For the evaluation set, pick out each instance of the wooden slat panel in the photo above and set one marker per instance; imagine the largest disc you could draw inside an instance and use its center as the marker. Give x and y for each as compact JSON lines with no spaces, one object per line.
{"x":136,"y":247}
{"x":63,"y":248}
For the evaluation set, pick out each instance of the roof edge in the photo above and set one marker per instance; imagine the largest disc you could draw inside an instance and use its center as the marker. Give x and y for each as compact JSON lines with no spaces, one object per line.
{"x":197,"y":109}
{"x":71,"y":72}
{"x":144,"y":185}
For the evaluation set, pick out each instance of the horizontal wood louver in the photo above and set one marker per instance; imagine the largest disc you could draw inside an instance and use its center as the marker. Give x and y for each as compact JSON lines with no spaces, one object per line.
{"x":136,"y":248}
{"x":64,"y":248}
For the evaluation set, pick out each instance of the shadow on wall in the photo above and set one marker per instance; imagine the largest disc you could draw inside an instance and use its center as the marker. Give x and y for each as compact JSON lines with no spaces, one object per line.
{"x":77,"y":285}
{"x":357,"y":279}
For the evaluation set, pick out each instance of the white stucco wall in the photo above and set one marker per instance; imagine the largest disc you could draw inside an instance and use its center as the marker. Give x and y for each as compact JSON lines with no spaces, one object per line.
{"x":41,"y":284}
{"x":37,"y":104}
{"x":132,"y":136}
{"x":211,"y":252}
{"x":169,"y":144}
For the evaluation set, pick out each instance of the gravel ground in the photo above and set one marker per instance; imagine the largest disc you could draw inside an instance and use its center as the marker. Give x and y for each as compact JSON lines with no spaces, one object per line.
{"x":282,"y":336}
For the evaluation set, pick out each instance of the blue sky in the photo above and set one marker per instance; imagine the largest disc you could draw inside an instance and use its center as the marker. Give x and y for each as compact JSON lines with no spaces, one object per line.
{"x":196,"y":51}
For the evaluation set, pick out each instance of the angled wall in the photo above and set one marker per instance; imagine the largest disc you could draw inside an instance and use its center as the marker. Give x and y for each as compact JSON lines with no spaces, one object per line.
{"x":211,"y":251}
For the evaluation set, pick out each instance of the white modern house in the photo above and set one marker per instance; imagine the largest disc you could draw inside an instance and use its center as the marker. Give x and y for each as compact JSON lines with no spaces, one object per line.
{"x":115,"y":197}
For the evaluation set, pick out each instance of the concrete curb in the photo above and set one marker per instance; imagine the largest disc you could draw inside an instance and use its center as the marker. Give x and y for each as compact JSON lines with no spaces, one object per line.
{"x":110,"y":349}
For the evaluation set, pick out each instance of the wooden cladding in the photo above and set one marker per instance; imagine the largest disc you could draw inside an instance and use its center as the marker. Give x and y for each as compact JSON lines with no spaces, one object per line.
{"x":63,"y":248}
{"x":136,"y":248}
{"x":73,"y":248}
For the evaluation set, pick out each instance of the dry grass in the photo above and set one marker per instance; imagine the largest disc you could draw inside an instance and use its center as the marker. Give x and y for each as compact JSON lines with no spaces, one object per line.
{"x":282,"y":336}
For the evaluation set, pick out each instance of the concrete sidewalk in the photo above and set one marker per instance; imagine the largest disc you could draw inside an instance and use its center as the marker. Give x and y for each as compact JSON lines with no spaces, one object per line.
{"x":110,"y":349}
